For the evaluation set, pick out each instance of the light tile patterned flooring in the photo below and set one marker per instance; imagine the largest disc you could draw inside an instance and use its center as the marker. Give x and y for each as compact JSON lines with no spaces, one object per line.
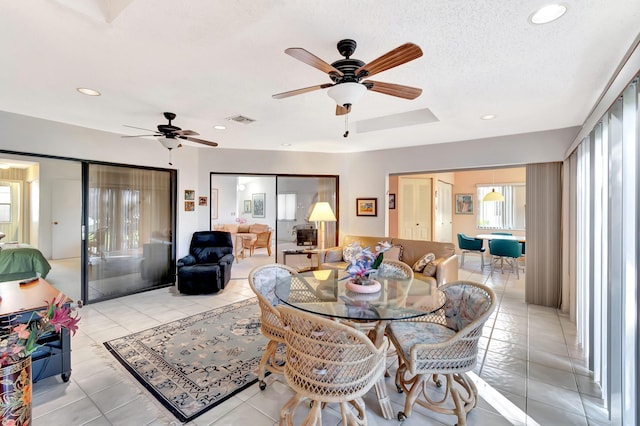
{"x":530,"y":369}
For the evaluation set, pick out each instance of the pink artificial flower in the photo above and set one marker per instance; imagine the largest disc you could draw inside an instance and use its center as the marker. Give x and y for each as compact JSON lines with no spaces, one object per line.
{"x":22,"y":330}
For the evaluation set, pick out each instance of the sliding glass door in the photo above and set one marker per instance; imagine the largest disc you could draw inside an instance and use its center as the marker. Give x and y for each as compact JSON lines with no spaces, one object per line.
{"x":129,"y":227}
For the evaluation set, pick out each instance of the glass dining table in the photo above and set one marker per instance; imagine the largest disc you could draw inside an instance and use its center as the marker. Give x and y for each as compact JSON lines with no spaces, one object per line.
{"x":324,"y":292}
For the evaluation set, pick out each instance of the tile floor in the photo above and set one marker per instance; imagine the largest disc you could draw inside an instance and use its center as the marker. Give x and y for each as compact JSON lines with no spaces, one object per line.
{"x":530,"y":369}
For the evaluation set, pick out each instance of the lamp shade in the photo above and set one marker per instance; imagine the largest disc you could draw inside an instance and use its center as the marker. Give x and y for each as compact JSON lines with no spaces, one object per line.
{"x":169,"y":143}
{"x":347,"y":93}
{"x":493,"y":196}
{"x":322,"y":212}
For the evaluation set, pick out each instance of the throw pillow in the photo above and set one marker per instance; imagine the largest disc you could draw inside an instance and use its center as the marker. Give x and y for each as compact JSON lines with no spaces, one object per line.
{"x":431,"y":267}
{"x":394,"y":253}
{"x":333,"y":255}
{"x":422,"y":262}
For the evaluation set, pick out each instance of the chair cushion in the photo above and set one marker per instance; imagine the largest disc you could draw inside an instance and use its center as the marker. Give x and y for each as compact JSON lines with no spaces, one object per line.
{"x":419,"y":265}
{"x":208,"y":254}
{"x":244,"y":227}
{"x":264,"y":282}
{"x":463,"y":306}
{"x":409,"y":333}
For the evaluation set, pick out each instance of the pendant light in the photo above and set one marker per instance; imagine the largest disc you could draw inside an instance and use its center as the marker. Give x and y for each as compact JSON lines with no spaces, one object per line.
{"x":493,"y":195}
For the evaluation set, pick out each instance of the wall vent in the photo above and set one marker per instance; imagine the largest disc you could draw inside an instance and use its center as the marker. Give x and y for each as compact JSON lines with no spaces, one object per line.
{"x":241,"y":119}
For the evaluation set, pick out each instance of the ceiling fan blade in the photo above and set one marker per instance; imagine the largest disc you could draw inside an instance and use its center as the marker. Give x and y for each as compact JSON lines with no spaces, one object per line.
{"x":311,"y":59}
{"x":196,"y":140}
{"x":405,"y":92}
{"x":340,"y":110}
{"x":137,"y":136}
{"x":301,"y":91}
{"x":186,"y":133}
{"x":398,"y":56}
{"x":140,"y":128}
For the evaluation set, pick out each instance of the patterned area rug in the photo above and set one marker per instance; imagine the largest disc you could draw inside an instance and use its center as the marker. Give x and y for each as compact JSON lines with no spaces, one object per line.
{"x":193,"y":364}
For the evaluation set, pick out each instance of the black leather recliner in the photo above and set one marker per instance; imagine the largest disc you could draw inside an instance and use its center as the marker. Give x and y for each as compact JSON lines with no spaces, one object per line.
{"x":207,"y":267}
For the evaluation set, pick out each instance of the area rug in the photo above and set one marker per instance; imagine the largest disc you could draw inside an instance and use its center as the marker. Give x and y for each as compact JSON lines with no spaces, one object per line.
{"x":193,"y":364}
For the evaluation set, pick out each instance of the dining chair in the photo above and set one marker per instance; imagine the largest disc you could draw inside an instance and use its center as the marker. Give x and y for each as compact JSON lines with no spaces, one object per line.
{"x":262,"y":240}
{"x":262,"y":281}
{"x":445,"y":345}
{"x":471,"y":245}
{"x":505,"y":251}
{"x":328,"y":362}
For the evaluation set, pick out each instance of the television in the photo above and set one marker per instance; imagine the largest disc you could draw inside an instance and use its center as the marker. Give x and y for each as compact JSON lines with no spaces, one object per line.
{"x":307,"y":237}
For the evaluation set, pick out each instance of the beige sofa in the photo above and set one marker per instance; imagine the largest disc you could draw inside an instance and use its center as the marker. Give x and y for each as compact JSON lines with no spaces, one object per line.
{"x":249,"y":232}
{"x":446,"y":263}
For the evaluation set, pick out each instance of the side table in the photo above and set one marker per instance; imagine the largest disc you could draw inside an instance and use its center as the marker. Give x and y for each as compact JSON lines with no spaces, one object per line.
{"x":306,"y":252}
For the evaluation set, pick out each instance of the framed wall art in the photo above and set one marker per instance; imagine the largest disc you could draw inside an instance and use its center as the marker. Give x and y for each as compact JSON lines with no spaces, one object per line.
{"x":392,"y":201}
{"x":258,"y":204}
{"x":189,"y":206}
{"x":247,"y":206}
{"x":202,"y":201}
{"x":464,"y":203}
{"x":189,"y":194}
{"x":366,"y":206}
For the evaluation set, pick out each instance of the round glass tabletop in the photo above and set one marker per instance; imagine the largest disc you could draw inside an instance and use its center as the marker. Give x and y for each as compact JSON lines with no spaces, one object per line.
{"x":324,"y":292}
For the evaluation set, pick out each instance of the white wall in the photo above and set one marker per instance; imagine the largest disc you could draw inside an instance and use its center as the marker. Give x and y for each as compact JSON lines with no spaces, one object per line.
{"x":361,"y":174}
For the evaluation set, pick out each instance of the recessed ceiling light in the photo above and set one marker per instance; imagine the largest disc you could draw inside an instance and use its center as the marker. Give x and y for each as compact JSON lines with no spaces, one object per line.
{"x":88,"y":92}
{"x":219,"y":127}
{"x":547,"y":14}
{"x":286,"y":144}
{"x":488,"y":117}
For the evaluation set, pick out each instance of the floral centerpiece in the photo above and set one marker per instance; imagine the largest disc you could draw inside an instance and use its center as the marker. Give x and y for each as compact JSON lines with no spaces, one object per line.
{"x":17,"y":343}
{"x":363,"y":262}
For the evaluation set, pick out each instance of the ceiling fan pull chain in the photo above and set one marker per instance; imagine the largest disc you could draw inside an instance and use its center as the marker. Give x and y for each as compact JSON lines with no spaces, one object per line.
{"x":171,"y":157}
{"x":346,"y":125}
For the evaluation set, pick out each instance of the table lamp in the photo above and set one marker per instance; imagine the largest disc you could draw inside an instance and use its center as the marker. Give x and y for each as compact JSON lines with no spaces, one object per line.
{"x":322,"y":213}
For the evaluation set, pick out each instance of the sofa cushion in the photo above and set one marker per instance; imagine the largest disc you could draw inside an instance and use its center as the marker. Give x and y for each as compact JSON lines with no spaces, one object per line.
{"x":412,"y":250}
{"x":419,"y":264}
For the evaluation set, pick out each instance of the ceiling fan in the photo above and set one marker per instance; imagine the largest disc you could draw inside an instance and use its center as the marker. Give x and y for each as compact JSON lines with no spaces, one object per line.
{"x":347,"y":74}
{"x":169,"y":135}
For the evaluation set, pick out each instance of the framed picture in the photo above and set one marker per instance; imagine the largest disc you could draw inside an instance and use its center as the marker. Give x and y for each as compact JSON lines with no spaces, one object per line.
{"x":258,"y":204}
{"x":464,"y":203}
{"x":189,"y":194}
{"x":189,"y":206}
{"x":392,"y":201}
{"x":247,"y":206}
{"x":202,"y":201}
{"x":214,"y":203}
{"x":366,"y":206}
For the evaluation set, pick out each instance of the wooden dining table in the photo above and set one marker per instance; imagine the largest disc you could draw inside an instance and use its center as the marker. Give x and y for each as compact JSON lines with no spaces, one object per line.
{"x":324,"y":292}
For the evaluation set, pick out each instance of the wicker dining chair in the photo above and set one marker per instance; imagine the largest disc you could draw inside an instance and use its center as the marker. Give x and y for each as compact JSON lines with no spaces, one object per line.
{"x":328,"y":362}
{"x":262,"y":280}
{"x":446,"y":344}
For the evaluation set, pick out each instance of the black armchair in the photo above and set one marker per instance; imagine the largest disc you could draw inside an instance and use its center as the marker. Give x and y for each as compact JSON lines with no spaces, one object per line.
{"x":207,"y":267}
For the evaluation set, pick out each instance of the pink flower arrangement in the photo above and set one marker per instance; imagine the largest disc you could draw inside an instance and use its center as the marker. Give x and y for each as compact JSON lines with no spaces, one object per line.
{"x":20,"y":341}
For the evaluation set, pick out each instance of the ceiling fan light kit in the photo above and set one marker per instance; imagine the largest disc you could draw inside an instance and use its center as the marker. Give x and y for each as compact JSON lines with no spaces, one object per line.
{"x":347,"y":74}
{"x":170,"y":136}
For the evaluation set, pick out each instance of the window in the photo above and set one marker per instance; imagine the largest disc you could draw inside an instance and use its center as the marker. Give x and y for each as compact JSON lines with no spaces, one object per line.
{"x":5,"y":203}
{"x":502,"y":215}
{"x":286,"y":206}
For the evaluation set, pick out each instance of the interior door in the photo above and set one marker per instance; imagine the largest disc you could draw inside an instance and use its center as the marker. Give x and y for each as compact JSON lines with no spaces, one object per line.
{"x":444,"y":215}
{"x":66,"y":212}
{"x":415,"y":208}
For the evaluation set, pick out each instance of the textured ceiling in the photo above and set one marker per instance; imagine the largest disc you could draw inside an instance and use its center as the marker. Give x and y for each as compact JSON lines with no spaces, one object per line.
{"x":209,"y":60}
